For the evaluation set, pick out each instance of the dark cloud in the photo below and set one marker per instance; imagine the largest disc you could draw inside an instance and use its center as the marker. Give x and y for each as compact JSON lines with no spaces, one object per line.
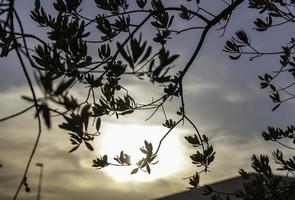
{"x":13,"y":74}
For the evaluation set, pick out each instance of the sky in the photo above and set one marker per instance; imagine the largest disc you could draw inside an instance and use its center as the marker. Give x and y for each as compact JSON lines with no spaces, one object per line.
{"x":222,"y":97}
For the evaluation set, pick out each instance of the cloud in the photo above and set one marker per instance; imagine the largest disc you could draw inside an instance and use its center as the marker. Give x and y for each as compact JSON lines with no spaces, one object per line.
{"x":226,"y":112}
{"x":66,"y":176}
{"x":222,"y":97}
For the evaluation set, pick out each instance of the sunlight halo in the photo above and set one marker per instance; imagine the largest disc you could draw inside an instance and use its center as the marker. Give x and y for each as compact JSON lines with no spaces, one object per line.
{"x":129,"y":138}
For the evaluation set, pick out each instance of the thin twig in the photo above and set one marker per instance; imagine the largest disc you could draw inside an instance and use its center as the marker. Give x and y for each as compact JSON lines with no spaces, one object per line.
{"x":284,"y":145}
{"x":17,"y":114}
{"x":11,"y":18}
{"x":167,"y":133}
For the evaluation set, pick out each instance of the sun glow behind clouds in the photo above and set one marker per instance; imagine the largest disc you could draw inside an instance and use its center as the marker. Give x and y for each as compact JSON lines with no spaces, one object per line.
{"x":130,"y":138}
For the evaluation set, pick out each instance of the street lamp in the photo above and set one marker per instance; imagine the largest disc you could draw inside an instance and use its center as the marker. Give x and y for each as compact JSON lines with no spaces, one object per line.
{"x":40,"y":180}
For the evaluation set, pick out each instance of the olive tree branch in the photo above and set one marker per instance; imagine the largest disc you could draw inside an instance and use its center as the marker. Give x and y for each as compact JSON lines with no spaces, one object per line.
{"x":210,"y":24}
{"x":166,"y":134}
{"x":17,"y":114}
{"x":10,"y":17}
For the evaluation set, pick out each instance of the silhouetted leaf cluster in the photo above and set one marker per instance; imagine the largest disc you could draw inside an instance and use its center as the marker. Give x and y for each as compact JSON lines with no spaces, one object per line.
{"x":275,"y":134}
{"x":138,"y":52}
{"x":100,"y":162}
{"x":5,"y":42}
{"x":123,"y":159}
{"x":144,"y":163}
{"x":78,"y":125}
{"x":194,"y":140}
{"x":194,"y":181}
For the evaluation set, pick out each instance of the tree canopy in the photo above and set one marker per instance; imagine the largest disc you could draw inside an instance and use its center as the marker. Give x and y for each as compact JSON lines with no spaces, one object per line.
{"x":61,"y":57}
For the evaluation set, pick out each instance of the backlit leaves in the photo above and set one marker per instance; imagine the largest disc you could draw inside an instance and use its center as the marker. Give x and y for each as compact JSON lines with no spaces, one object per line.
{"x":236,"y":44}
{"x":203,"y":159}
{"x":194,"y":181}
{"x":139,"y":52}
{"x":262,"y":25}
{"x":46,"y":115}
{"x":122,"y":24}
{"x":242,"y":36}
{"x":169,"y":123}
{"x":141,"y":3}
{"x":285,"y":164}
{"x":111,"y":5}
{"x":97,"y":125}
{"x":276,"y":134}
{"x":100,"y":162}
{"x":163,"y":20}
{"x":123,"y":159}
{"x":5,"y":41}
{"x":261,"y":165}
{"x":64,"y":86}
{"x":41,"y":17}
{"x":89,"y":146}
{"x":134,"y":171}
{"x":67,"y":5}
{"x":77,"y":124}
{"x":194,"y":140}
{"x":104,"y":52}
{"x":184,"y":14}
{"x":144,"y":163}
{"x":160,"y":73}
{"x":104,"y":26}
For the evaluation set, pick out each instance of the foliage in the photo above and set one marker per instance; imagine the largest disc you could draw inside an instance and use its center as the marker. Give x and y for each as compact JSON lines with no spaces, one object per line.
{"x":62,"y":60}
{"x":263,"y":184}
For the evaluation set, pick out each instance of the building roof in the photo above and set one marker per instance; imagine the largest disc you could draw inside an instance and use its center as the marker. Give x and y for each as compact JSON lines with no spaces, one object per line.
{"x":227,"y":186}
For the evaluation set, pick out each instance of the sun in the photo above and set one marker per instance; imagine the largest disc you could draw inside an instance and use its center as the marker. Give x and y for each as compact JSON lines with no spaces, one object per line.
{"x":129,"y":138}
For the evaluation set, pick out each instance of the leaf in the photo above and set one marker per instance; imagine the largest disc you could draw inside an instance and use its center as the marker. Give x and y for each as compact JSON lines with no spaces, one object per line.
{"x":63,"y":86}
{"x":37,"y":5}
{"x":141,"y":3}
{"x":30,"y":99}
{"x":235,"y":57}
{"x":85,"y":115}
{"x":124,"y":54}
{"x":146,"y":55}
{"x":89,"y":146}
{"x":244,"y":174}
{"x":98,"y":123}
{"x":273,"y":87}
{"x":274,"y":108}
{"x":148,"y":169}
{"x":261,"y":78}
{"x":100,"y":162}
{"x":127,"y":112}
{"x":263,"y":85}
{"x":46,"y":116}
{"x":134,"y":171}
{"x":194,"y":181}
{"x":242,"y":36}
{"x":193,"y":140}
{"x":74,"y":148}
{"x":170,"y":21}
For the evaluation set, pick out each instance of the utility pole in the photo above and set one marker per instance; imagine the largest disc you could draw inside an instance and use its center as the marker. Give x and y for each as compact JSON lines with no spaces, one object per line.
{"x":40,"y":180}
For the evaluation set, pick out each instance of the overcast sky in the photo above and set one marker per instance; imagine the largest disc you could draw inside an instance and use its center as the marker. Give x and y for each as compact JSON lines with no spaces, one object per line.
{"x":221,"y":96}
